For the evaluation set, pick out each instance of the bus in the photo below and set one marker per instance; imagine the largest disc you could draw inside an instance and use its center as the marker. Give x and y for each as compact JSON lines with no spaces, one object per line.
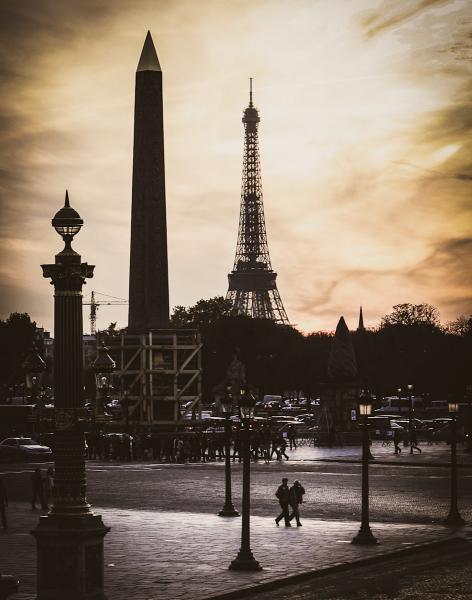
{"x":396,"y":405}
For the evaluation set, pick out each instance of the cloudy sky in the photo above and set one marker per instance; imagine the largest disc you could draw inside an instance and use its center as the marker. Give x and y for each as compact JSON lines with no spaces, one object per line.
{"x":365,"y":137}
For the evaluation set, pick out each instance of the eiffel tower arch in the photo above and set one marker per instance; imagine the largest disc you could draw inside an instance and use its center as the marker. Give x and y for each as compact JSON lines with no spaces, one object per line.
{"x":252,"y":283}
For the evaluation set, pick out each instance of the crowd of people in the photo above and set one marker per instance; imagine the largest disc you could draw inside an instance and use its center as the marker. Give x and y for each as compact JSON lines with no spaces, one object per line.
{"x":190,"y":446}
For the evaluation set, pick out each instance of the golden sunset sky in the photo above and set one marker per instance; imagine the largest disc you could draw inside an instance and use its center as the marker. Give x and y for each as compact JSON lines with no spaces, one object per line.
{"x":365,"y":138}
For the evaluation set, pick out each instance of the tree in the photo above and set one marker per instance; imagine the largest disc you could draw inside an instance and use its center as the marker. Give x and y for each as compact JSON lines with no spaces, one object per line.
{"x":203,"y":314}
{"x":16,"y":339}
{"x":407,"y":315}
{"x":462,"y":326}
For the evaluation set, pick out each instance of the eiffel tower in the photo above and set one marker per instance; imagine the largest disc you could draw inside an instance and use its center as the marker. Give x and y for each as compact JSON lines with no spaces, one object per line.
{"x":252,"y":288}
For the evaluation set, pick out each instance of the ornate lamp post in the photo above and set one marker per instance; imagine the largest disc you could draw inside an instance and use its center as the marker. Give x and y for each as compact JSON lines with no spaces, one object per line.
{"x":410,"y":416}
{"x":454,"y":518}
{"x":228,"y":509}
{"x":70,"y":538}
{"x":102,"y":366}
{"x":365,"y":536}
{"x":245,"y":560}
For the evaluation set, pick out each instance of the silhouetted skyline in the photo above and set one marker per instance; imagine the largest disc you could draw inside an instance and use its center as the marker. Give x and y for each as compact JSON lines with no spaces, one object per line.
{"x":352,"y":93}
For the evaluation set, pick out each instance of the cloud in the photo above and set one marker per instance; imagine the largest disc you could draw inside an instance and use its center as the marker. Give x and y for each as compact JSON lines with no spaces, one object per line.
{"x":391,"y":14}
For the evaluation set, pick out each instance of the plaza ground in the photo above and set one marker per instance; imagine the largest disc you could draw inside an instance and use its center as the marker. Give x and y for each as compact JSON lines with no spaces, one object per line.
{"x":167,"y":542}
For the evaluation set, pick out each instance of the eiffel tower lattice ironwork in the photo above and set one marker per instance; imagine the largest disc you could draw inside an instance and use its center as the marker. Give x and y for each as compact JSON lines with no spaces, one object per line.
{"x":252,"y":288}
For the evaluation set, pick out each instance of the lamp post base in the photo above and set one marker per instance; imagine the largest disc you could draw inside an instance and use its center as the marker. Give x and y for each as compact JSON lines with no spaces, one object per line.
{"x":245,"y":561}
{"x":365,"y":537}
{"x":228,"y":510}
{"x":70,"y":557}
{"x":454,"y":519}
{"x":8,"y":586}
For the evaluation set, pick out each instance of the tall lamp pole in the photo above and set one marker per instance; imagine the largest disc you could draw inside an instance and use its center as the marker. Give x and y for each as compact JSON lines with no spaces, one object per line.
{"x":468,"y":391}
{"x":365,"y":536}
{"x":228,"y":509}
{"x":454,"y":518}
{"x":245,"y":560}
{"x":70,"y":538}
{"x":410,"y":415}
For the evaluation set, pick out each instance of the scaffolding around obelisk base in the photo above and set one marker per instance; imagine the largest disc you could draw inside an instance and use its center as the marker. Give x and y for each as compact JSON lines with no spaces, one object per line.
{"x":159,"y":376}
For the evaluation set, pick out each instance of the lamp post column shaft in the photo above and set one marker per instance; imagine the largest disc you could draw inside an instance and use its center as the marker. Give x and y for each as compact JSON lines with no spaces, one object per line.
{"x":453,"y":466}
{"x":365,"y":476}
{"x":245,"y":560}
{"x":69,"y":453}
{"x":469,"y":423}
{"x":365,"y":536}
{"x":228,"y":509}
{"x":246,"y":500}
{"x":410,"y":423}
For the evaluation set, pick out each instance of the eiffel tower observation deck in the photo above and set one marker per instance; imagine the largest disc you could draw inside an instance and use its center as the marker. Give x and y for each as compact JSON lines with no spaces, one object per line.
{"x":252,"y":287}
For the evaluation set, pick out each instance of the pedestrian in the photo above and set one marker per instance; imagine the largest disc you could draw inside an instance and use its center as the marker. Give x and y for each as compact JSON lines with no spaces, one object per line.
{"x":282,"y":446}
{"x":49,"y":484}
{"x":292,"y":436}
{"x":37,"y":490}
{"x":414,"y":440}
{"x":296,"y":493}
{"x":397,"y":436}
{"x":283,"y":495}
{"x":3,"y":503}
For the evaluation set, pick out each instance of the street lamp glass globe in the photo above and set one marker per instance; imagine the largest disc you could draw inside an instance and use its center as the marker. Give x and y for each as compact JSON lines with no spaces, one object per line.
{"x":453,"y":407}
{"x":365,"y":408}
{"x":247,"y":403}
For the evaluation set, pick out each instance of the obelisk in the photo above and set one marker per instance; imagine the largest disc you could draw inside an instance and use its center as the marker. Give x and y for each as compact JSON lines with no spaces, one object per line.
{"x":148,"y":275}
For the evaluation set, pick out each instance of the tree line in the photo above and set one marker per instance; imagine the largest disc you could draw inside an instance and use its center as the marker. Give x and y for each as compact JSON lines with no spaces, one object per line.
{"x":409,"y":346}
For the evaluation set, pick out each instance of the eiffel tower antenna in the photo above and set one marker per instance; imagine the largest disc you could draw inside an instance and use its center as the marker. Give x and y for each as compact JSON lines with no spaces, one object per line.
{"x":252,"y":288}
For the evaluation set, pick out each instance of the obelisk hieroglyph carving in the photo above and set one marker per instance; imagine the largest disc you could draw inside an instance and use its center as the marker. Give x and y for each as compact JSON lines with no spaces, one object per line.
{"x":148,"y":277}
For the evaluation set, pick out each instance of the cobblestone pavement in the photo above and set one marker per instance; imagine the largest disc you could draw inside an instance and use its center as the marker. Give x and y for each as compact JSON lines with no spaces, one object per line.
{"x":166,"y":541}
{"x":166,"y":556}
{"x":427,"y":575}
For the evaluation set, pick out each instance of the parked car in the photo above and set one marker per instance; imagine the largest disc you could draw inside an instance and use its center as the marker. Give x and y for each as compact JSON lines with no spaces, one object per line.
{"x":23,"y":448}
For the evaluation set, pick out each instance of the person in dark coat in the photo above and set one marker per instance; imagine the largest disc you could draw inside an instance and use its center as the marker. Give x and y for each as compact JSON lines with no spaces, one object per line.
{"x":414,"y":440}
{"x":3,"y":503}
{"x":283,"y":495}
{"x":292,"y":437}
{"x":37,"y":490}
{"x":295,"y":499}
{"x":397,"y":436}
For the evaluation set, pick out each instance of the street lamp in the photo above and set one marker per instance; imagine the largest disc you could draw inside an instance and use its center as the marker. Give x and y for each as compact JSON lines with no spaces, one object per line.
{"x":102,"y":366}
{"x":228,"y":509}
{"x":365,"y":536}
{"x":245,"y":560}
{"x":70,"y":538}
{"x":410,"y":416}
{"x":454,"y":518}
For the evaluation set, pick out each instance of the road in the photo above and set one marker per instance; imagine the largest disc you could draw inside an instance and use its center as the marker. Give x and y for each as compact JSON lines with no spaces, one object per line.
{"x":426,"y":575}
{"x":403,"y":494}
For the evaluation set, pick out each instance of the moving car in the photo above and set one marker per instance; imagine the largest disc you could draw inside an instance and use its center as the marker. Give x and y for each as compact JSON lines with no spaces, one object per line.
{"x":23,"y":448}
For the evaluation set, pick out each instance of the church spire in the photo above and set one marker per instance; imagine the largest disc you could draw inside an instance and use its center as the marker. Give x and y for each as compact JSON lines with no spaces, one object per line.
{"x":361,"y":321}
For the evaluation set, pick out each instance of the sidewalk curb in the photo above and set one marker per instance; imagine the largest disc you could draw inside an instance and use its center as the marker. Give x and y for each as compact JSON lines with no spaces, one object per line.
{"x":338,"y":567}
{"x":392,"y":463}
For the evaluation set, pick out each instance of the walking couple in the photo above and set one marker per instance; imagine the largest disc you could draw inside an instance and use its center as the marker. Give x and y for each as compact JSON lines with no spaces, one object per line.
{"x":292,"y":496}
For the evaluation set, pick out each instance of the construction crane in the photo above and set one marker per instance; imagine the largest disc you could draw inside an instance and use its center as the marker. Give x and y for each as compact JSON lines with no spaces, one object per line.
{"x":94,"y":304}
